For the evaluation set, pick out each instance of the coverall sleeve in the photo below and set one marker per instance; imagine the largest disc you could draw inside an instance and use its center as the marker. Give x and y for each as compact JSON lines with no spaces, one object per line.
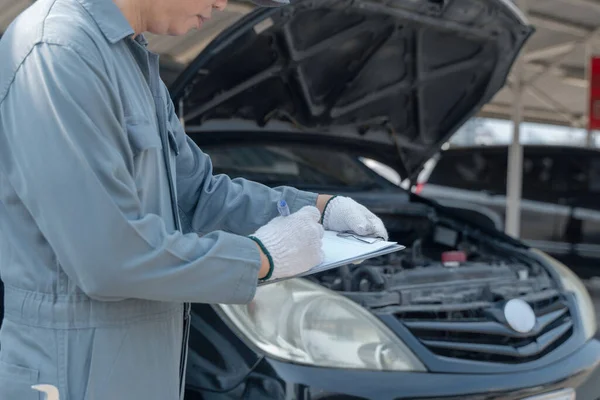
{"x":210,"y":202}
{"x":63,"y":148}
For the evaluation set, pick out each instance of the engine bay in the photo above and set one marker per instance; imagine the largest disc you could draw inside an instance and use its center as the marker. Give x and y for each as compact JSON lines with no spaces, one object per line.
{"x":445,"y":263}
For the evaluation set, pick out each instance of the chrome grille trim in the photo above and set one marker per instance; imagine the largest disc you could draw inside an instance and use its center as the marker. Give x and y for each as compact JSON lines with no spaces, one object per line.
{"x":478,"y":331}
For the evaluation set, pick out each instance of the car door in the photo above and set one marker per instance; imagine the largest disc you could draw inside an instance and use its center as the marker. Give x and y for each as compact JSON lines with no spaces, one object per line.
{"x":478,"y":176}
{"x":538,"y":205}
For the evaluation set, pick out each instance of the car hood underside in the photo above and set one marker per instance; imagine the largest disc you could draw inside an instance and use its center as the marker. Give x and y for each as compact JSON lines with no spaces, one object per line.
{"x":401,"y":75}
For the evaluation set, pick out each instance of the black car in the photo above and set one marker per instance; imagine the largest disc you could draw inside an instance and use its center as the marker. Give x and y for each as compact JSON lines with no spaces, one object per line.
{"x":560,"y":212}
{"x":307,"y":96}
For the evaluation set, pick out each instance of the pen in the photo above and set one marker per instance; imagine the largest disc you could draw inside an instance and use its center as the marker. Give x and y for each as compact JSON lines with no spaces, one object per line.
{"x":283,"y":208}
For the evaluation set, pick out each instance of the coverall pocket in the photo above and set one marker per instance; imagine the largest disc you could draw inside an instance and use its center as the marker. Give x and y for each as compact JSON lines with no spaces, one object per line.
{"x":146,"y":148}
{"x":16,"y":382}
{"x":142,"y":136}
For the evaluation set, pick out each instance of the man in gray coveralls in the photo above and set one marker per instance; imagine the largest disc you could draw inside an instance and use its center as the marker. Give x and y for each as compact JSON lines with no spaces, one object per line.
{"x":95,"y":174}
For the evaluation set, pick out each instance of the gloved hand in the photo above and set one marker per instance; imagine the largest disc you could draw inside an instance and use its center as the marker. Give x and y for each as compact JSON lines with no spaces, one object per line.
{"x":292,"y":243}
{"x":342,"y":214}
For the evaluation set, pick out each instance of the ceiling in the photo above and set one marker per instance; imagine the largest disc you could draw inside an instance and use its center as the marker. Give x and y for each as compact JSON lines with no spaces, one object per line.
{"x":554,"y":62}
{"x":554,"y":83}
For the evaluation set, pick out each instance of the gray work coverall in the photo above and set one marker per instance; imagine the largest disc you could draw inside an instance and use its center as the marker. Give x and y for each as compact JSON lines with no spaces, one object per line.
{"x":111,"y":220}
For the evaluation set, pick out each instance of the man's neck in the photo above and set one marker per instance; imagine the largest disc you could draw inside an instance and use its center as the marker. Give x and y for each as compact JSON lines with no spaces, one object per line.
{"x":133,"y":10}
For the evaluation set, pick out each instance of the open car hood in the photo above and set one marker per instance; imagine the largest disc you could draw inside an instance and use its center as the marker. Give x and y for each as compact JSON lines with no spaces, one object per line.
{"x":397,"y":75}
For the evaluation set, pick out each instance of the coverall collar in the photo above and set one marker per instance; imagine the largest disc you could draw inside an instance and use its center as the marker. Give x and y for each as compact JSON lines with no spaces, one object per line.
{"x":109,"y":18}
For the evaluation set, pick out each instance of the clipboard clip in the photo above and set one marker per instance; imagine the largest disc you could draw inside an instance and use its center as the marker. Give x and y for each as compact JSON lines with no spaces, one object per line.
{"x":364,"y":239}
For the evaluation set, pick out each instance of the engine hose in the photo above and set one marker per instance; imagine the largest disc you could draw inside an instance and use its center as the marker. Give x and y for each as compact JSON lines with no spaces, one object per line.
{"x":371,"y":273}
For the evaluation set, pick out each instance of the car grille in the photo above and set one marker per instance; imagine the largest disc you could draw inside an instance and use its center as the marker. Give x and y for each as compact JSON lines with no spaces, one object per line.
{"x":477,"y":331}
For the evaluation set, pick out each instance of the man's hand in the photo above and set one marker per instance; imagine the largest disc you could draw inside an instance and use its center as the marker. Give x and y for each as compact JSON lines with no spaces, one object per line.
{"x":291,"y":244}
{"x":343,"y":214}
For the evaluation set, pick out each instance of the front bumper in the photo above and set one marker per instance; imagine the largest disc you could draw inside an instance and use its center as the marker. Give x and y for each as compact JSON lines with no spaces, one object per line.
{"x":335,"y":384}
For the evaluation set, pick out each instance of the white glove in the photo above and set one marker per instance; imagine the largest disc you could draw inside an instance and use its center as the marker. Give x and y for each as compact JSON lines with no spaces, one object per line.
{"x":293,"y":242}
{"x":342,"y":214}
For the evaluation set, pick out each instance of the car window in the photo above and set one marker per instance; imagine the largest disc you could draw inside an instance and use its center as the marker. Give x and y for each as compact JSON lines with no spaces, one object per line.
{"x":542,"y":180}
{"x":548,"y":176}
{"x":576,"y":174}
{"x":585,"y":181}
{"x":473,"y":170}
{"x":291,"y":165}
{"x":594,"y":177}
{"x":572,"y":178}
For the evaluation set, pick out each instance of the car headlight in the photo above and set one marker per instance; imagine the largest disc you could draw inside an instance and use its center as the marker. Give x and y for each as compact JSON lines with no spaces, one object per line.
{"x":302,"y":322}
{"x":572,"y":283}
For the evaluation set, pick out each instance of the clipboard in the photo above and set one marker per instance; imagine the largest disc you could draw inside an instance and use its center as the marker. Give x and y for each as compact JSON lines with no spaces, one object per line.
{"x":343,"y":248}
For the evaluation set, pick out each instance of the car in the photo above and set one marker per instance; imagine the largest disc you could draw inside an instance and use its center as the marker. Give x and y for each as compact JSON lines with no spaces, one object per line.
{"x":309,"y":96}
{"x":560,"y":213}
{"x":305,"y":96}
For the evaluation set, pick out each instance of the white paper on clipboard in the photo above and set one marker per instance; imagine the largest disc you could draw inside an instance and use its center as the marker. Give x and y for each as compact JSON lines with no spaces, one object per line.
{"x":341,"y":250}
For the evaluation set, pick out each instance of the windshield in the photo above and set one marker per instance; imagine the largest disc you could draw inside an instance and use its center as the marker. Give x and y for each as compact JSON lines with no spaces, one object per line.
{"x":306,"y":167}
